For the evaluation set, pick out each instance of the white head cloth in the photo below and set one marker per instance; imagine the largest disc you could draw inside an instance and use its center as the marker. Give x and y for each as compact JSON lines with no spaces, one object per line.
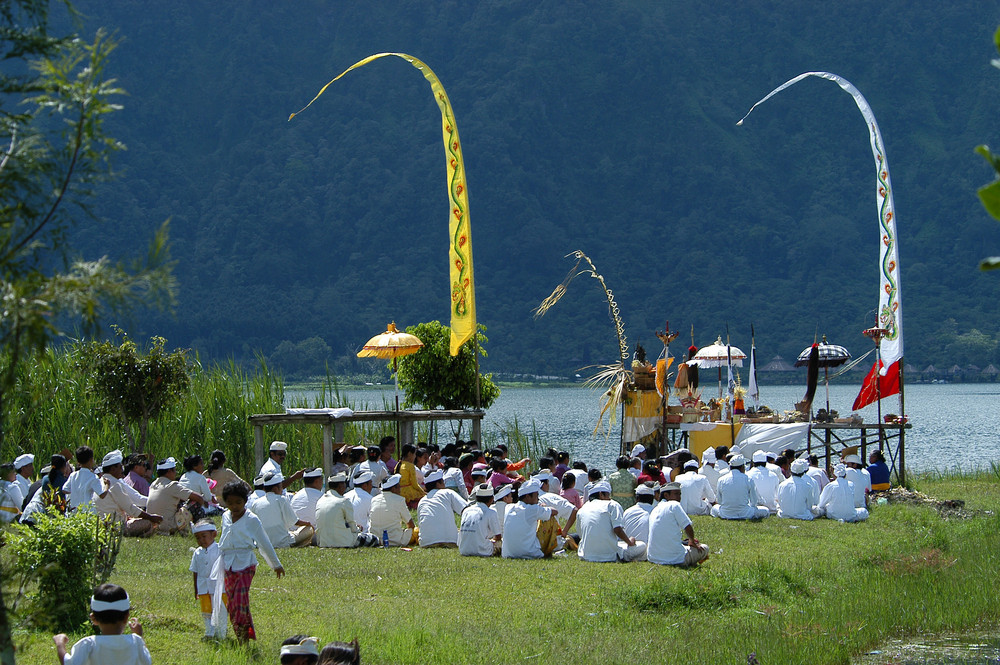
{"x":206,"y":525}
{"x":601,"y":486}
{"x":391,"y":481}
{"x":278,"y":446}
{"x":23,"y":461}
{"x":167,"y":464}
{"x":840,"y":471}
{"x":433,"y":476}
{"x":123,"y":605}
{"x":112,"y":458}
{"x":307,"y":647}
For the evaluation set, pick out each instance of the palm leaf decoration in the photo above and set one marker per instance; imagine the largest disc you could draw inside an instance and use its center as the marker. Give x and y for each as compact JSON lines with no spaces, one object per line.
{"x":614,"y":378}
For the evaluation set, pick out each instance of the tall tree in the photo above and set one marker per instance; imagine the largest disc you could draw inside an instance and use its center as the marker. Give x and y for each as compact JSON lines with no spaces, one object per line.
{"x":53,"y":149}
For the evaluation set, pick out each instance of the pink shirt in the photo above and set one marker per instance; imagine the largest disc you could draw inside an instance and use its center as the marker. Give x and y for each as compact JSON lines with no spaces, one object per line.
{"x":499,"y":478}
{"x":573,"y":496}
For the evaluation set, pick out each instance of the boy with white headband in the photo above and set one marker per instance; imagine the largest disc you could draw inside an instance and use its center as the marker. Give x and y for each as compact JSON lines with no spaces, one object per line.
{"x":109,"y":610}
{"x":202,"y":562}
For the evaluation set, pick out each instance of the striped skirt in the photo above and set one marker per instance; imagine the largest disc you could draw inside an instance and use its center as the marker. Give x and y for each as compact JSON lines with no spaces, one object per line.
{"x":238,"y":589}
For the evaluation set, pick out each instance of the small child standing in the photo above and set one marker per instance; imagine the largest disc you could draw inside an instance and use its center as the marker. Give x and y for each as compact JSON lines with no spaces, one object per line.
{"x":202,"y":562}
{"x":109,"y":610}
{"x":241,"y":533}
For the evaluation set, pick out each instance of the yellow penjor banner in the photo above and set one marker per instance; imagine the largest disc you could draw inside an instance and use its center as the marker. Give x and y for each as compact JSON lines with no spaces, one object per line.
{"x":463,"y":292}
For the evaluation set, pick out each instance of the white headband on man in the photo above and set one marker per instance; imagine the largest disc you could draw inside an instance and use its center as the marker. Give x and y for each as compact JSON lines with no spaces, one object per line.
{"x":313,"y":473}
{"x":112,"y":458}
{"x":167,"y":464}
{"x":278,"y":446}
{"x":123,"y":605}
{"x":307,"y":647}
{"x":23,"y":461}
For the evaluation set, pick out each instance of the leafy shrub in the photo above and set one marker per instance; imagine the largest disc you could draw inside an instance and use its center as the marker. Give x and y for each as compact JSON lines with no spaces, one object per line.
{"x":62,"y":559}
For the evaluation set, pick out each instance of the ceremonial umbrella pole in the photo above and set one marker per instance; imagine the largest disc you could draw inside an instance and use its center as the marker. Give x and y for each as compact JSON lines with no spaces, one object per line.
{"x":876,"y":335}
{"x":392,"y":344}
{"x":666,"y":337}
{"x":830,"y":355}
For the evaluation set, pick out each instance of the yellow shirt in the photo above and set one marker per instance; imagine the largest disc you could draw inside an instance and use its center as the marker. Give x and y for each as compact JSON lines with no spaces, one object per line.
{"x":408,"y":486}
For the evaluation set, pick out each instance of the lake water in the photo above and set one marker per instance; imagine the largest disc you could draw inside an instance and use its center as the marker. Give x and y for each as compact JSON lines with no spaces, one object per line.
{"x":954,"y":425}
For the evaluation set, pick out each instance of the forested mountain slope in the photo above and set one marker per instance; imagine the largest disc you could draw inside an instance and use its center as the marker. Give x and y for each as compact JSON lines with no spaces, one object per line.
{"x":603,"y":126}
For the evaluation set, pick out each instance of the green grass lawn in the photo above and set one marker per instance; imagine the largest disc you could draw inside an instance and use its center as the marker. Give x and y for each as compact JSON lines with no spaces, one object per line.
{"x":793,"y":592}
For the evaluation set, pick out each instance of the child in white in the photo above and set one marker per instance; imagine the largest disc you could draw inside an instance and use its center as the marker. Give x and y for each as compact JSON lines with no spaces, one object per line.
{"x":109,"y":610}
{"x":202,"y":562}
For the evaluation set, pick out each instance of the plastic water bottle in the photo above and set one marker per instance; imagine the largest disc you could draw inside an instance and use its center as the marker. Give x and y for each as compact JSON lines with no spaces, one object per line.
{"x":385,"y":538}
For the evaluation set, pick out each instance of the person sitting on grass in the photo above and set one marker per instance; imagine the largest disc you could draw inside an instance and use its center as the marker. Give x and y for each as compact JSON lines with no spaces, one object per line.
{"x":137,"y":473}
{"x":623,"y":483}
{"x":697,"y":495}
{"x":11,"y":497}
{"x":109,"y":612}
{"x":202,"y":562}
{"x":513,"y":468}
{"x":498,"y":475}
{"x":340,"y":653}
{"x":565,"y":511}
{"x":593,"y":477}
{"x":569,"y":492}
{"x":242,"y":532}
{"x":409,"y":487}
{"x":220,"y":473}
{"x":83,"y":484}
{"x":602,"y":532}
{"x":135,"y":520}
{"x":764,"y":481}
{"x":479,"y":533}
{"x":436,"y":511}
{"x":579,"y":469}
{"x":375,"y":466}
{"x":361,"y":499}
{"x":857,"y":474}
{"x":666,"y":523}
{"x":709,"y":468}
{"x":304,"y":501}
{"x":390,"y":518}
{"x":799,"y":495}
{"x":276,"y":454}
{"x":167,"y":496}
{"x":816,"y":473}
{"x":651,"y":473}
{"x":502,"y":499}
{"x":275,"y":512}
{"x":878,"y":471}
{"x":299,"y":650}
{"x":737,"y":496}
{"x":522,"y":525}
{"x":24,"y":466}
{"x":836,"y":501}
{"x":562,"y":464}
{"x":335,"y":525}
{"x":453,"y":478}
{"x":635,"y":521}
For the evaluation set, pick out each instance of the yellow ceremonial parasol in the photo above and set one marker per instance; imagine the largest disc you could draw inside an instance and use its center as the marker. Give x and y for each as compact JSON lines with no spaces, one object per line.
{"x":392,"y":344}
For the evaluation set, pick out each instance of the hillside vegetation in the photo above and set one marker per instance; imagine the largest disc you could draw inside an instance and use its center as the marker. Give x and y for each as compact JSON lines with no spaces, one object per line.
{"x":608,"y":127}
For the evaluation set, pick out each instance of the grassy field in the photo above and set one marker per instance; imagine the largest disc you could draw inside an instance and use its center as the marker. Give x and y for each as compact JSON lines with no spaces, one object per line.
{"x":792,"y":592}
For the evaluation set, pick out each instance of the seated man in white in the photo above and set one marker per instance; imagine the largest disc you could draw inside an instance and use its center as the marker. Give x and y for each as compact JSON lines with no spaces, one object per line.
{"x":503,"y":496}
{"x":280,"y":524}
{"x":520,"y":524}
{"x":335,"y":525}
{"x":436,"y":513}
{"x":390,"y":518}
{"x":737,"y":496}
{"x":765,"y":482}
{"x":304,"y":501}
{"x":857,"y":474}
{"x":566,"y":512}
{"x":636,"y":518}
{"x":602,"y":531}
{"x":361,"y":498}
{"x":479,"y":532}
{"x":709,"y":468}
{"x":666,"y":523}
{"x":135,"y":520}
{"x":836,"y":501}
{"x":798,"y":496}
{"x":697,"y":495}
{"x":816,"y":473}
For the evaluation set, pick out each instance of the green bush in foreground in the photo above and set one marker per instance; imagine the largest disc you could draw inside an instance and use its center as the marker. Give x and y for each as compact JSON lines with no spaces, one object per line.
{"x":61,"y":559}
